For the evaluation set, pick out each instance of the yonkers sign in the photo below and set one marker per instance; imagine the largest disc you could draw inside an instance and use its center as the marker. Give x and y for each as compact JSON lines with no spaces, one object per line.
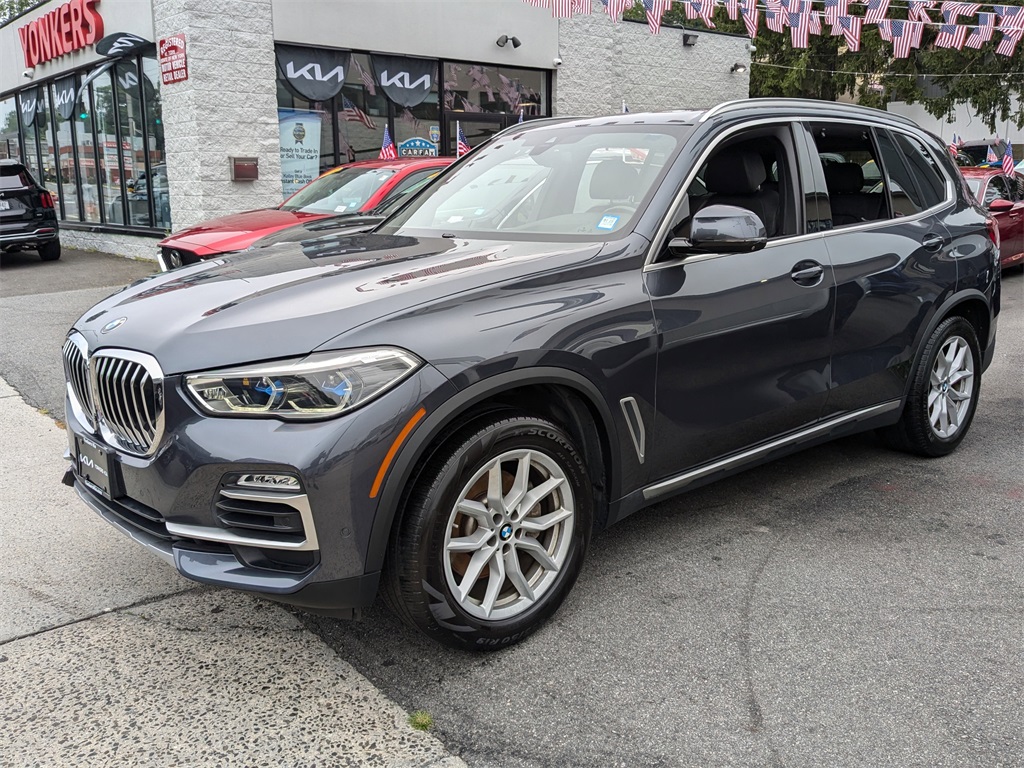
{"x":68,"y":28}
{"x":405,"y":80}
{"x":316,"y":74}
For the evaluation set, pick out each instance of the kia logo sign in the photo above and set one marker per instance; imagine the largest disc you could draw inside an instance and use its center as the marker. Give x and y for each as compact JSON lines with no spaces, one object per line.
{"x":404,"y":80}
{"x":312,"y":71}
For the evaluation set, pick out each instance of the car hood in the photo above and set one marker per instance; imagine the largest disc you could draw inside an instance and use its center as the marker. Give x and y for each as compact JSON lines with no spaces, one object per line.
{"x":237,"y":231}
{"x":280,"y":302}
{"x":326,"y":229}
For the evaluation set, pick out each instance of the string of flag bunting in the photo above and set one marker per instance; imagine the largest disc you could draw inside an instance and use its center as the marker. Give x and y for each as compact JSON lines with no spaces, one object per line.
{"x":804,"y":18}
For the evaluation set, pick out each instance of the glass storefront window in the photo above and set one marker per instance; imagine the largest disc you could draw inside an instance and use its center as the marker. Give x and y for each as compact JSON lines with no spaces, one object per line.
{"x":481,"y":88}
{"x":67,"y":168}
{"x":157,"y":185}
{"x":114,"y":155}
{"x":10,"y":143}
{"x":82,"y":119}
{"x":130,"y":119}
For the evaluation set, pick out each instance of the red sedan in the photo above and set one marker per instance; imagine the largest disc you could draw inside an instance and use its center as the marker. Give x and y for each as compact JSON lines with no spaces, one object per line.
{"x":357,"y":187}
{"x":1003,"y":198}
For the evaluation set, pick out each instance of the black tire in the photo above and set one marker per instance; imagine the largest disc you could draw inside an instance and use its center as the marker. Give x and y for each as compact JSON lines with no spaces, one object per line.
{"x":415,"y":582}
{"x":914,"y":432}
{"x":50,"y":251}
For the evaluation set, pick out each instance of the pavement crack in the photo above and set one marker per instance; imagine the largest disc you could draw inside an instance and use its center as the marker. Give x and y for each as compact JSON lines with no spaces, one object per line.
{"x":98,"y":614}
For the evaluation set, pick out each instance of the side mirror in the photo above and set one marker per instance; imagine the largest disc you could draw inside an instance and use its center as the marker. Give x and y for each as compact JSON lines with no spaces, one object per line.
{"x":721,"y":229}
{"x":1000,"y":205}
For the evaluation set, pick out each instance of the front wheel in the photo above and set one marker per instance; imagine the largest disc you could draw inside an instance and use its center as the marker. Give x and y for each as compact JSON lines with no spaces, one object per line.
{"x":943,"y":394}
{"x":493,"y":535}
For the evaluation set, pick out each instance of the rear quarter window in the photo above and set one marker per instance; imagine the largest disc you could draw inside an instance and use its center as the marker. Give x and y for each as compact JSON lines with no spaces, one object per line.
{"x":924,"y":169}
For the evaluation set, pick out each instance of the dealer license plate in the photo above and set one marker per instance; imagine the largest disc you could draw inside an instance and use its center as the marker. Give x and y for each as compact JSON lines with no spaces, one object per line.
{"x":94,"y":465}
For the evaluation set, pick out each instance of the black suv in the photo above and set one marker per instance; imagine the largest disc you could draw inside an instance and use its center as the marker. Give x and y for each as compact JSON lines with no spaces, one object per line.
{"x":576,"y":320}
{"x":27,"y":216}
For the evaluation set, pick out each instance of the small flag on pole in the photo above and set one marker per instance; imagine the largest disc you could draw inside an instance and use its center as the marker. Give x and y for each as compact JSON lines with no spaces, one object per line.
{"x":750,"y":15}
{"x":462,"y":145}
{"x":1008,"y":160}
{"x":876,"y":11}
{"x":520,"y":114}
{"x":990,"y":155}
{"x":955,"y":144}
{"x":387,"y":148}
{"x":951,"y":36}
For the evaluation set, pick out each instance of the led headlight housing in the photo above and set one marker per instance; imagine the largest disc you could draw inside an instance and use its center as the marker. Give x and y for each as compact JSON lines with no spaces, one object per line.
{"x":318,"y":386}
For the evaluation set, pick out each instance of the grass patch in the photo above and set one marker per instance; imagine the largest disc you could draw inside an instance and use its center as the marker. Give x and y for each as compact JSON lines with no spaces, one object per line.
{"x":421,"y":720}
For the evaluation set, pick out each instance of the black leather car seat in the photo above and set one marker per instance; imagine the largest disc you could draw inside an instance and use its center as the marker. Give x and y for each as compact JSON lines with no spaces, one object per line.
{"x":614,"y":181}
{"x":737,"y":177}
{"x":850,"y":205}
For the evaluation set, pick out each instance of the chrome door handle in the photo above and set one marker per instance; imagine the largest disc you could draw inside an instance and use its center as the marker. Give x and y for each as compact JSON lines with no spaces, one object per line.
{"x":807,"y":273}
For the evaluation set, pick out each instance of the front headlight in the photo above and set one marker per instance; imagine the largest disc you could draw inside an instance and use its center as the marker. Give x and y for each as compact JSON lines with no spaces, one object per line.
{"x":323,"y":384}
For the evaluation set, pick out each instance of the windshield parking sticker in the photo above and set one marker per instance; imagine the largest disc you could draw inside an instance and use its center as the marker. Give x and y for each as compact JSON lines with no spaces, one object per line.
{"x":608,"y":222}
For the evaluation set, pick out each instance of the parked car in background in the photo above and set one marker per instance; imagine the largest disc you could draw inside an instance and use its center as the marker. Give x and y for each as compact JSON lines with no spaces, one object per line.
{"x":138,"y":192}
{"x":28,"y":219}
{"x":978,"y":150}
{"x":1003,"y":198}
{"x":535,"y":347}
{"x":356,"y":187}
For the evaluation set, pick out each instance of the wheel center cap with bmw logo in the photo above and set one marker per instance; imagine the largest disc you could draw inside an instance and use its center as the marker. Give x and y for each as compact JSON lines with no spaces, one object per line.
{"x":505,"y":532}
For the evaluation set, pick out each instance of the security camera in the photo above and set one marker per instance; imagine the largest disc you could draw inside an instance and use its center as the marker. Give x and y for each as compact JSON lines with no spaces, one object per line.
{"x":750,"y":47}
{"x":556,"y":61}
{"x":29,"y":73}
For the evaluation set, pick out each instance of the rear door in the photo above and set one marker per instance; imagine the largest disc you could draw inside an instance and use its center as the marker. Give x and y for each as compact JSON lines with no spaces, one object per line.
{"x":892,"y":266}
{"x":18,"y":196}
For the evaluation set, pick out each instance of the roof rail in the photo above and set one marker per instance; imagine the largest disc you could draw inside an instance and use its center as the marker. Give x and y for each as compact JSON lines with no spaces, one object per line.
{"x":810,"y":104}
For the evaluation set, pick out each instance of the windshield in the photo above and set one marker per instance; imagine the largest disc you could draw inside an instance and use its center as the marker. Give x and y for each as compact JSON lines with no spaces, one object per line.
{"x":561,"y":182}
{"x":344,"y":191}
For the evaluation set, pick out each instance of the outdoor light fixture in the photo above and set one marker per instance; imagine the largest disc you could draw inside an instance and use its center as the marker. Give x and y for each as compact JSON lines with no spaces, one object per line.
{"x":739,"y":66}
{"x":506,"y":39}
{"x":690,"y":39}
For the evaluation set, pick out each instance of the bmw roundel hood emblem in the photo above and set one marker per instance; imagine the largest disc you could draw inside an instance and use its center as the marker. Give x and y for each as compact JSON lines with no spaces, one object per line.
{"x":113,"y":324}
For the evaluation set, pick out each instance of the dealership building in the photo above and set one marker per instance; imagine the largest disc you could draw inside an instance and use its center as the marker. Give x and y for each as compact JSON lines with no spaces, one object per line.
{"x":146,"y":116}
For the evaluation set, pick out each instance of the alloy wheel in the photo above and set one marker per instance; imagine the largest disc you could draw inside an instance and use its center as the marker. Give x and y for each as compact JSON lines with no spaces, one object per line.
{"x":951,"y":386}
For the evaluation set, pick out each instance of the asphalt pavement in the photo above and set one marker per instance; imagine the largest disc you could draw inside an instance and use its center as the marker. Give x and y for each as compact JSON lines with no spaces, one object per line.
{"x":846,"y":606}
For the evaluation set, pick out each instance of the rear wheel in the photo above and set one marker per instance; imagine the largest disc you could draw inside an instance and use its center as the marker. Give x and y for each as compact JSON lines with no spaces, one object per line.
{"x":50,"y":251}
{"x":493,"y":536}
{"x":943,"y":394}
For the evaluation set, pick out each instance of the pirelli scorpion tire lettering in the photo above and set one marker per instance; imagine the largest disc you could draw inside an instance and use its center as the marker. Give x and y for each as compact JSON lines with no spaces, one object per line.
{"x":493,"y":535}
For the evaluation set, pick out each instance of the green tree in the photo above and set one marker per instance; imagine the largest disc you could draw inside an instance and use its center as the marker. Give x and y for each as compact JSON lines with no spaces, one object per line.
{"x":938,"y":78}
{"x":11,"y":8}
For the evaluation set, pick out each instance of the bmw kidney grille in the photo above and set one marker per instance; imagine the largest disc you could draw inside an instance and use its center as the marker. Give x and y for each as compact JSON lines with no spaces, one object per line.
{"x":120,"y":392}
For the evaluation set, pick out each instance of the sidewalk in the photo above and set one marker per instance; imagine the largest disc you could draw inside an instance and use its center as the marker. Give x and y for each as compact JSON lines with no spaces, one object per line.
{"x":108,"y":657}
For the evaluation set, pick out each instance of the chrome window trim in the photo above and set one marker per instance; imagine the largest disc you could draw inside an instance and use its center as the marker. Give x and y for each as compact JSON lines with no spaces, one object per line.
{"x":659,"y":237}
{"x":682,"y":480}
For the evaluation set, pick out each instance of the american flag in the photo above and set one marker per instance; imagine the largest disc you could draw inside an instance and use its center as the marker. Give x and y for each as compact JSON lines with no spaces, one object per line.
{"x":983,"y":32}
{"x":795,"y":6}
{"x":655,"y":10}
{"x":700,"y":9}
{"x":903,"y":34}
{"x":951,"y":36}
{"x":850,"y":27}
{"x":732,"y":7}
{"x":462,"y":145}
{"x":834,"y":9}
{"x":799,"y":28}
{"x":1012,"y":17}
{"x":387,"y":148}
{"x":562,"y":9}
{"x":1009,"y":42}
{"x":617,"y":7}
{"x":814,"y":22}
{"x":469,"y":106}
{"x":917,"y":10}
{"x":876,"y":11}
{"x":750,"y":15}
{"x":774,"y":16}
{"x":1008,"y":160}
{"x":990,"y":155}
{"x":367,"y":80}
{"x":353,"y":114}
{"x":951,"y":10}
{"x":955,"y":143}
{"x":885,"y":30}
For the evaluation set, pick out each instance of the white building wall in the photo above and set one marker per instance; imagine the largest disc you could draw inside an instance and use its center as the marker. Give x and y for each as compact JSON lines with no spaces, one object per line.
{"x":227,"y":107}
{"x":605,"y":63}
{"x":963,"y":121}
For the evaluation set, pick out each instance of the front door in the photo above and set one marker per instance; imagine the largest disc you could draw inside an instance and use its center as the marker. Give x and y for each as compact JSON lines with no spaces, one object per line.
{"x":744,"y":337}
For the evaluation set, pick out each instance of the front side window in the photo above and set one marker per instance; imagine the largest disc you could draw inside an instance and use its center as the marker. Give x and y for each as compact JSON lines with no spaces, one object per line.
{"x":563,"y":182}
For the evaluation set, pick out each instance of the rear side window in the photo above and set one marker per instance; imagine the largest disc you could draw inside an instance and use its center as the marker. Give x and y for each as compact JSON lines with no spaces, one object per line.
{"x":930,"y":180}
{"x":906,"y":199}
{"x":14,"y":177}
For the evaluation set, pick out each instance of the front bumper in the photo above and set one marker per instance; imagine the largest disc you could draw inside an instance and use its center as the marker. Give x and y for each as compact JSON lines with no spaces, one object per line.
{"x":173,"y":503}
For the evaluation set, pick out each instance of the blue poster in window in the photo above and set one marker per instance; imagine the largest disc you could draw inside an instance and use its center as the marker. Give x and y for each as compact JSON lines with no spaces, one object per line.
{"x":417,"y":147}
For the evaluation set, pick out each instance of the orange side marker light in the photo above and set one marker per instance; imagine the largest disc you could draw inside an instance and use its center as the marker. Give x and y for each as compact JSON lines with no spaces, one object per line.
{"x":409,"y":426}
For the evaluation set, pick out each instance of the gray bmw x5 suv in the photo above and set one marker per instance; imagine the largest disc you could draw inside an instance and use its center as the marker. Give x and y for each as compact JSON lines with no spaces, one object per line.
{"x":574,"y":321}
